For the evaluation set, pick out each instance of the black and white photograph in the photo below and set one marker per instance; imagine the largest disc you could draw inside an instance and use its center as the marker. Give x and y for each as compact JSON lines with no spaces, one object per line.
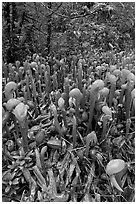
{"x":68,"y":101}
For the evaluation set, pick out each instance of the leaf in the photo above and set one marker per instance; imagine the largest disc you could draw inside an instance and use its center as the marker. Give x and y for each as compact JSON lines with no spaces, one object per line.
{"x":33,"y":187}
{"x":7,"y":189}
{"x":15,"y":181}
{"x":87,"y":198}
{"x":7,"y":176}
{"x":12,"y":166}
{"x":21,"y":163}
{"x":62,"y":166}
{"x":5,"y":199}
{"x":23,"y":197}
{"x":90,"y":178}
{"x":129,"y":194}
{"x":30,"y":153}
{"x":35,"y":128}
{"x":38,"y":160}
{"x":22,"y":179}
{"x":124,"y":180}
{"x":75,"y":180}
{"x":40,"y":197}
{"x":97,"y":197}
{"x":17,"y":157}
{"x":53,"y":190}
{"x":40,"y":178}
{"x":70,"y":172}
{"x":54,"y":143}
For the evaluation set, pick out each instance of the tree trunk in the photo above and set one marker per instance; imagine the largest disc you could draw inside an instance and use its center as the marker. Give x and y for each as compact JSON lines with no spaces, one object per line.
{"x":49,"y":30}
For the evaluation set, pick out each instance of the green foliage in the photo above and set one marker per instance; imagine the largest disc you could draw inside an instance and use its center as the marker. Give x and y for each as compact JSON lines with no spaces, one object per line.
{"x":76,"y":119}
{"x":68,"y":103}
{"x":59,"y":26}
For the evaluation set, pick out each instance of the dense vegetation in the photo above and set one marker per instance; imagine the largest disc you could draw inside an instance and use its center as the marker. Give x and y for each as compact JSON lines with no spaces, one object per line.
{"x":68,"y":102}
{"x":60,"y":28}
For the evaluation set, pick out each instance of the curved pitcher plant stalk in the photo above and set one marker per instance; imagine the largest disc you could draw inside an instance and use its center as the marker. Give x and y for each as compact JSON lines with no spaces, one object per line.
{"x":112,"y":68}
{"x":20,"y":112}
{"x":112,"y":79}
{"x":66,"y":90}
{"x":46,"y":79}
{"x":55,"y":82}
{"x":103,"y":94}
{"x":74,"y":131}
{"x":61,"y":103}
{"x":90,"y":138}
{"x":107,"y":116}
{"x":128,"y":99}
{"x":34,"y":96}
{"x":10,"y":105}
{"x":57,"y":96}
{"x":84,"y":94}
{"x":80,"y":75}
{"x":105,"y":119}
{"x":73,"y":66}
{"x":10,"y":88}
{"x":124,"y":74}
{"x":56,"y":122}
{"x":94,"y":89}
{"x":43,"y":155}
{"x":76,"y":93}
{"x":133,"y":102}
{"x":116,"y":169}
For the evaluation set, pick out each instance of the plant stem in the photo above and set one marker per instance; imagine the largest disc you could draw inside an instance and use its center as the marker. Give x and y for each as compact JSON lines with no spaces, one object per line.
{"x":80,"y":77}
{"x":40,"y":178}
{"x":5,"y":118}
{"x":66,"y":90}
{"x":16,"y":126}
{"x":35,"y":97}
{"x":83,"y":100}
{"x":74,"y":131}
{"x":46,"y":84}
{"x":63,"y":111}
{"x":38,"y":160}
{"x":40,"y":90}
{"x":128,"y":102}
{"x":24,"y":133}
{"x":27,"y":86}
{"x":104,"y":128}
{"x":91,"y":110}
{"x":42,"y":158}
{"x":111,"y":95}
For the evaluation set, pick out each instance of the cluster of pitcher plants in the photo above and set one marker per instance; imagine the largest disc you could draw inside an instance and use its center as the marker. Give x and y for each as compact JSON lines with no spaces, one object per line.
{"x":68,"y":128}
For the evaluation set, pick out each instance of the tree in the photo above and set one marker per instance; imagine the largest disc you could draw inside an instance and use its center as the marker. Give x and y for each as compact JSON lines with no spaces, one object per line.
{"x":61,"y":27}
